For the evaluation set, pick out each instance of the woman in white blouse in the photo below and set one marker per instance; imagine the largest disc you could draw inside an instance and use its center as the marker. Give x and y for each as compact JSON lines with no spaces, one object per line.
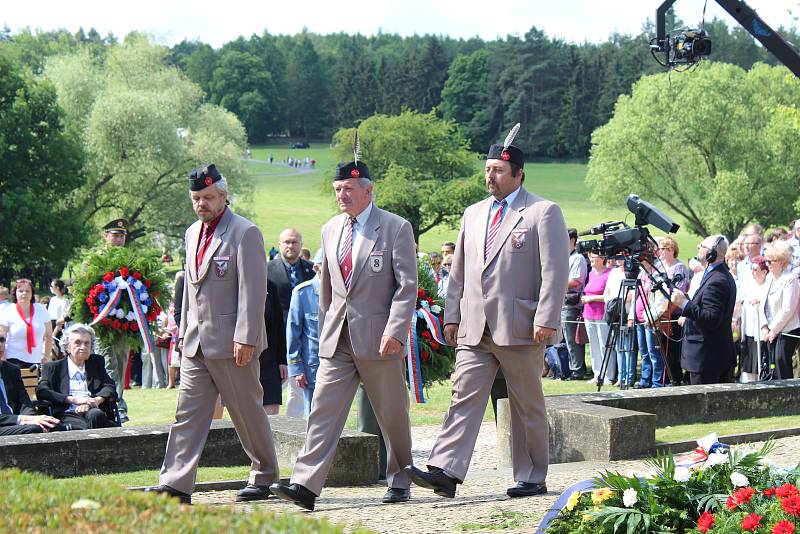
{"x":779,"y":309}
{"x":26,"y":326}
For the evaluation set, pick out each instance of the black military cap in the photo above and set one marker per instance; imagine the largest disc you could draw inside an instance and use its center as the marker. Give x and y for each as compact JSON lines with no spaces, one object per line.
{"x":511,"y":153}
{"x":117,"y":226}
{"x":202,"y":177}
{"x":345,"y":171}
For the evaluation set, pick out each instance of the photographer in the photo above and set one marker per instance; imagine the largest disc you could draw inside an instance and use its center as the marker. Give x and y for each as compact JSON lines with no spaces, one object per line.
{"x":709,"y":354}
{"x":578,"y":271}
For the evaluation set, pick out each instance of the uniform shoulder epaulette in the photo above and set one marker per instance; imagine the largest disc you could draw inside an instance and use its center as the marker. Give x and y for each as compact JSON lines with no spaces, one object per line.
{"x":301,"y":285}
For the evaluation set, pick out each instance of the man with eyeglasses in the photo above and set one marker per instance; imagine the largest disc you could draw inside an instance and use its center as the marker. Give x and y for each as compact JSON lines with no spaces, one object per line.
{"x":17,"y":413}
{"x":709,"y":354}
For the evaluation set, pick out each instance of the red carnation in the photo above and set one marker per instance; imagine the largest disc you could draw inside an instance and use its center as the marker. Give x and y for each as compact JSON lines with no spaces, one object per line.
{"x":425,"y":356}
{"x":769,"y":492}
{"x":791,"y":505}
{"x":705,"y":521}
{"x":137,"y":275}
{"x":106,"y":322}
{"x":123,"y":272}
{"x":435,"y":345}
{"x":787,"y":490}
{"x":783,"y":527}
{"x":147,"y":284}
{"x":427,"y":335}
{"x":420,"y":293}
{"x":115,"y":324}
{"x":125,"y":326}
{"x":108,"y":277}
{"x":134,"y":327}
{"x":751,"y":522}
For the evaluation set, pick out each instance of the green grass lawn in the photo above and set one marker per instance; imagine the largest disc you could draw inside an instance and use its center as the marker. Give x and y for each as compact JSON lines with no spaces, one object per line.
{"x":285,"y":197}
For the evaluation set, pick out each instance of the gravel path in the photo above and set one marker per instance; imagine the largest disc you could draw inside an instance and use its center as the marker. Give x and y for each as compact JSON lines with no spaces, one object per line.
{"x":480,"y":503}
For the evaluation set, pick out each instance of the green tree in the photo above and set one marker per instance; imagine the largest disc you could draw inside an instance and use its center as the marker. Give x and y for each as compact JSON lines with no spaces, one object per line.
{"x":143,"y":125}
{"x":422,"y":167}
{"x":717,"y":146}
{"x":465,"y":96}
{"x":41,"y":166}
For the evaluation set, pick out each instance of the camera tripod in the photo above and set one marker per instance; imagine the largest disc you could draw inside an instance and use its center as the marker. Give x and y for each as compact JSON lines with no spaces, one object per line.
{"x":632,"y":285}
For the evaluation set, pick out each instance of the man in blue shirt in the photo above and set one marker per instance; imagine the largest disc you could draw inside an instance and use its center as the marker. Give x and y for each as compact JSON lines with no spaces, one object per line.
{"x":302,"y":335}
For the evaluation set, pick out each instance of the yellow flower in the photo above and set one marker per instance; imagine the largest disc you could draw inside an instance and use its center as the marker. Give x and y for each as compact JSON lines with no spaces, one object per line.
{"x":572,"y":502}
{"x":601,"y":495}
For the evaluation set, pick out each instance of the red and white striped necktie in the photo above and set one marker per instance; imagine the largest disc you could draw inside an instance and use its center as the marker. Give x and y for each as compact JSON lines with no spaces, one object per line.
{"x":346,"y":252}
{"x":494,"y":226}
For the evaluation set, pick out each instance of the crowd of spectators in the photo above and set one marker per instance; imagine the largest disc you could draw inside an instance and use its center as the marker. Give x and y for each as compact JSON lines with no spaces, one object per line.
{"x":765,"y":325}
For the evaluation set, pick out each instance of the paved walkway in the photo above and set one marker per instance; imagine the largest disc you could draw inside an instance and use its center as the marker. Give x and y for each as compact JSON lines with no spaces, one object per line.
{"x":480,"y":503}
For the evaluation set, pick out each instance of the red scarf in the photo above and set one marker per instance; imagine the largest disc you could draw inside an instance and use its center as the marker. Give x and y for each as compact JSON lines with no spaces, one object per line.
{"x":28,"y":326}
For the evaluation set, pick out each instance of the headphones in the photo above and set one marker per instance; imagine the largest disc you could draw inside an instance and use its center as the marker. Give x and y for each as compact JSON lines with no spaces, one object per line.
{"x":711,"y":256}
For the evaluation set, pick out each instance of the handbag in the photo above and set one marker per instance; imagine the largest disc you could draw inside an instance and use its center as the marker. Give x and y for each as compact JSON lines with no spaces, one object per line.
{"x":611,"y":313}
{"x":581,"y":335}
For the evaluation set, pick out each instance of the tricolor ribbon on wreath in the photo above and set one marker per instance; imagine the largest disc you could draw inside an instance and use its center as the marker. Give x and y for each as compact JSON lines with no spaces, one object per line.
{"x":116,"y":289}
{"x":413,"y":353}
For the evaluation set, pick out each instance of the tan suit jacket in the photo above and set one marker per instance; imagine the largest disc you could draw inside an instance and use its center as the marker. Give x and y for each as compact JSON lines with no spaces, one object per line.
{"x":383,"y":291}
{"x":523,"y":280}
{"x":219,"y":308}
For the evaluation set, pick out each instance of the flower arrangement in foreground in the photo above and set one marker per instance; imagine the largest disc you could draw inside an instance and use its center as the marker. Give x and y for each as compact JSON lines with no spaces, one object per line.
{"x":429,"y":359}
{"x":119,"y":292}
{"x":729,"y":490}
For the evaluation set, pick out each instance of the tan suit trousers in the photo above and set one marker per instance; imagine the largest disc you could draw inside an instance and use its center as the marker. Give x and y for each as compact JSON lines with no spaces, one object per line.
{"x":201,"y":380}
{"x":337,"y":380}
{"x":476,"y":367}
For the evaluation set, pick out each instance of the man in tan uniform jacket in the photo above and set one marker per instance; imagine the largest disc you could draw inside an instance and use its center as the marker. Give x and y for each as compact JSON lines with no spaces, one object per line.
{"x":368,"y":291}
{"x":504,"y":300}
{"x":222,"y":328}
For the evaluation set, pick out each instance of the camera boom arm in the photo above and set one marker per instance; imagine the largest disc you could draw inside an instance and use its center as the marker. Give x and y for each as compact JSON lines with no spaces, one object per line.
{"x":750,"y":21}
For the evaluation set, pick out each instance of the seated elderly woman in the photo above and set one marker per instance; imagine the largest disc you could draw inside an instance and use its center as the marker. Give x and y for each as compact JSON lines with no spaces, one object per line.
{"x":78,"y":386}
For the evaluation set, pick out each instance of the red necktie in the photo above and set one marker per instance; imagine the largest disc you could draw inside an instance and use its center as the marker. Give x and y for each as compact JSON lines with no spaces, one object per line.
{"x":494,"y":226}
{"x":205,"y":240}
{"x":346,"y":252}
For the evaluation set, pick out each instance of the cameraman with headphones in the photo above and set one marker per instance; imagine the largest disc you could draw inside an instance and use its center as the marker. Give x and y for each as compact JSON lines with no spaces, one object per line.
{"x":709,"y":355}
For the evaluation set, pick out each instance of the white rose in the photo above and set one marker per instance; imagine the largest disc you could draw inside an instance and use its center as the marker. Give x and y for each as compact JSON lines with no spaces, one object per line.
{"x":629,"y":497}
{"x":739,"y":480}
{"x":682,"y":474}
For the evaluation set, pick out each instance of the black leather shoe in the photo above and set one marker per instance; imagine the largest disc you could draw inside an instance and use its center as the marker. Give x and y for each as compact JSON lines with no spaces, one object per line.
{"x":295,"y":493}
{"x":185,"y":498}
{"x":526,"y":489}
{"x":433,"y":479}
{"x":394,"y":495}
{"x":253,"y":492}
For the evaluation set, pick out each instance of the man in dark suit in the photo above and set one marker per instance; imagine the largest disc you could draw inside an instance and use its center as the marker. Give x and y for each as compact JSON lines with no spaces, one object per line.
{"x":17,"y":413}
{"x":287,"y":270}
{"x":709,"y":354}
{"x":78,"y":386}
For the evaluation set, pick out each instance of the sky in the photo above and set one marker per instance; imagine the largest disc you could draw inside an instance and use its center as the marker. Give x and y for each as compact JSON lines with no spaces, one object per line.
{"x":217,"y":22}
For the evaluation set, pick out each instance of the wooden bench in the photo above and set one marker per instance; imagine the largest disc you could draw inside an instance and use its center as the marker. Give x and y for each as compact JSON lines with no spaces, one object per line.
{"x":30,"y":379}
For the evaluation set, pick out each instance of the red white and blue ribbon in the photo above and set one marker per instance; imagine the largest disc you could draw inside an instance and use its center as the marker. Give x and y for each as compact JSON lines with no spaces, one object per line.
{"x":138,"y":313}
{"x":414,"y":364}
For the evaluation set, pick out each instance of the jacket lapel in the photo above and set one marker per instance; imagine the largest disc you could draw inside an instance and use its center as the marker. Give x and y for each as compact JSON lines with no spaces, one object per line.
{"x":510,"y":220}
{"x":371,"y":230}
{"x":216,"y":240}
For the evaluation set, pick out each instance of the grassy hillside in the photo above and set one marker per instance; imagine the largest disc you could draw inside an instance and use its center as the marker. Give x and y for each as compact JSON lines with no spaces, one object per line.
{"x":287,"y":196}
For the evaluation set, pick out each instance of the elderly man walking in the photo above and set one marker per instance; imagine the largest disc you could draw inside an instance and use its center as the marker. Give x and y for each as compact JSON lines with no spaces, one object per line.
{"x":222,"y":329}
{"x":368,"y":291}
